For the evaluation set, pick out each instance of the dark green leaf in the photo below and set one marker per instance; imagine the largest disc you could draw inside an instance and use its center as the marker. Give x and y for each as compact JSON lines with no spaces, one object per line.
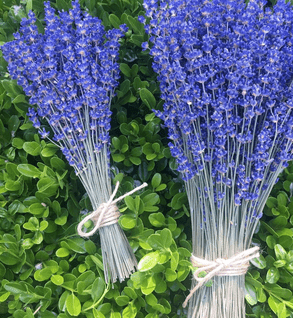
{"x":148,"y":98}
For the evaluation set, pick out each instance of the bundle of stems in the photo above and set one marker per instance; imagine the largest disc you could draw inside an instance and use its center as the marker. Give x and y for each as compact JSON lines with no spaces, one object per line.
{"x":225,"y":73}
{"x":71,"y":72}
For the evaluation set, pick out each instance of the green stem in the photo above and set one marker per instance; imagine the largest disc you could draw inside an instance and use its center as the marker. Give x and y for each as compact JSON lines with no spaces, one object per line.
{"x":98,"y":301}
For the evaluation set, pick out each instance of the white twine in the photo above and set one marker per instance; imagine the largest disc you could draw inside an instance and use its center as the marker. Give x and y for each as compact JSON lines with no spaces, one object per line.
{"x":234,"y":266}
{"x":100,"y":218}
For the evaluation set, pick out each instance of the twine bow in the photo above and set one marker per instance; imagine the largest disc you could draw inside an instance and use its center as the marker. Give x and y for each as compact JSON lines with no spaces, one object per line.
{"x":234,"y":266}
{"x":100,"y":218}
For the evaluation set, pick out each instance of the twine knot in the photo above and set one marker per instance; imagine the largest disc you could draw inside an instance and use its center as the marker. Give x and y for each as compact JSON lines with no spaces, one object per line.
{"x":106,"y":214}
{"x":233,"y":266}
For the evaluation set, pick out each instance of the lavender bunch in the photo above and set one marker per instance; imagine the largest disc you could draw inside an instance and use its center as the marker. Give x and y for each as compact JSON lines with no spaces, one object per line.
{"x":225,"y":73}
{"x":71,"y":72}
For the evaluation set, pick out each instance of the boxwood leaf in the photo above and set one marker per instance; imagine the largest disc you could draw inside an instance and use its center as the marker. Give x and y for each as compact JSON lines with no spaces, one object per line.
{"x":149,"y":261}
{"x":57,"y":279}
{"x":28,"y":170}
{"x":280,"y":252}
{"x":125,"y":69}
{"x":273,"y":275}
{"x":73,"y":305}
{"x":32,"y":148}
{"x":114,"y":20}
{"x":97,"y":289}
{"x":148,"y":98}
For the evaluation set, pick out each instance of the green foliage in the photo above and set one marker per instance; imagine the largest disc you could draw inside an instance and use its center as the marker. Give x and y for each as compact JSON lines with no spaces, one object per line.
{"x":269,"y":285}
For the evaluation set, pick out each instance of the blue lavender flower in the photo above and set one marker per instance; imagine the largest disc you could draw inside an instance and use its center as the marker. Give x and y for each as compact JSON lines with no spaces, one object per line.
{"x":70,"y":72}
{"x":225,"y":72}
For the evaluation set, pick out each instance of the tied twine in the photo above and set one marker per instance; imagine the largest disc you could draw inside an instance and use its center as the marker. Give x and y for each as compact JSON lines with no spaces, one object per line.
{"x":100,"y":218}
{"x":234,"y":266}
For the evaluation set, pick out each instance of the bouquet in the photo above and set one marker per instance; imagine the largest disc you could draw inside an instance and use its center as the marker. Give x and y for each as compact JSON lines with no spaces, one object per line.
{"x":225,"y":73}
{"x":71,"y":72}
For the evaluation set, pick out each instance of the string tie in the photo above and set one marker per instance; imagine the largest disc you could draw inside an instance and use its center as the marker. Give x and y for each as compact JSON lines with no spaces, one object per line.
{"x":233,"y":266}
{"x":107,"y":213}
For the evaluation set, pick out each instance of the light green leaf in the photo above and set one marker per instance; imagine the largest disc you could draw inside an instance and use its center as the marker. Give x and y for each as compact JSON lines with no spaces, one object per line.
{"x":149,"y":261}
{"x":73,"y":305}
{"x":57,"y":279}
{"x":28,"y":170}
{"x":280,"y":252}
{"x":98,"y":289}
{"x":32,"y":148}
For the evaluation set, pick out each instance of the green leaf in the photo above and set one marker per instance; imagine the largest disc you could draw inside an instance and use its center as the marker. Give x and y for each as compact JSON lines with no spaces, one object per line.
{"x":272,"y":202}
{"x":62,"y":300}
{"x":11,"y":88}
{"x":98,"y":314}
{"x":49,"y":150}
{"x":148,"y":98}
{"x":13,"y":124}
{"x":77,"y":244}
{"x":148,"y":285}
{"x":155,"y":241}
{"x":57,"y":163}
{"x":273,"y":303}
{"x":273,"y":275}
{"x":28,"y":170}
{"x":118,"y":157}
{"x":157,"y":219}
{"x":15,"y":288}
{"x":98,"y":289}
{"x":32,"y":148}
{"x":125,"y":69}
{"x":130,"y":311}
{"x":149,"y":261}
{"x":282,"y":199}
{"x":62,"y":252}
{"x":48,"y":186}
{"x":57,"y":279}
{"x":279,"y":222}
{"x":17,"y":143}
{"x":166,"y":236}
{"x":116,"y":143}
{"x":156,"y":180}
{"x":122,"y":300}
{"x":4,"y":296}
{"x":281,"y":312}
{"x":135,"y":160}
{"x":251,"y":295}
{"x":135,"y":25}
{"x":278,"y":291}
{"x":280,"y":252}
{"x":43,"y":274}
{"x":37,"y":208}
{"x":62,"y":5}
{"x":150,"y":199}
{"x":170,"y":275}
{"x":130,"y":292}
{"x":127,"y":221}
{"x":259,"y":262}
{"x":114,"y":20}
{"x":130,"y":203}
{"x":29,"y":6}
{"x":73,"y":305}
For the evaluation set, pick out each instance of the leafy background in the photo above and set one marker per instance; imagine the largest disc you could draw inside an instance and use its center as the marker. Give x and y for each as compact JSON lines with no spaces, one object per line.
{"x":46,"y":270}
